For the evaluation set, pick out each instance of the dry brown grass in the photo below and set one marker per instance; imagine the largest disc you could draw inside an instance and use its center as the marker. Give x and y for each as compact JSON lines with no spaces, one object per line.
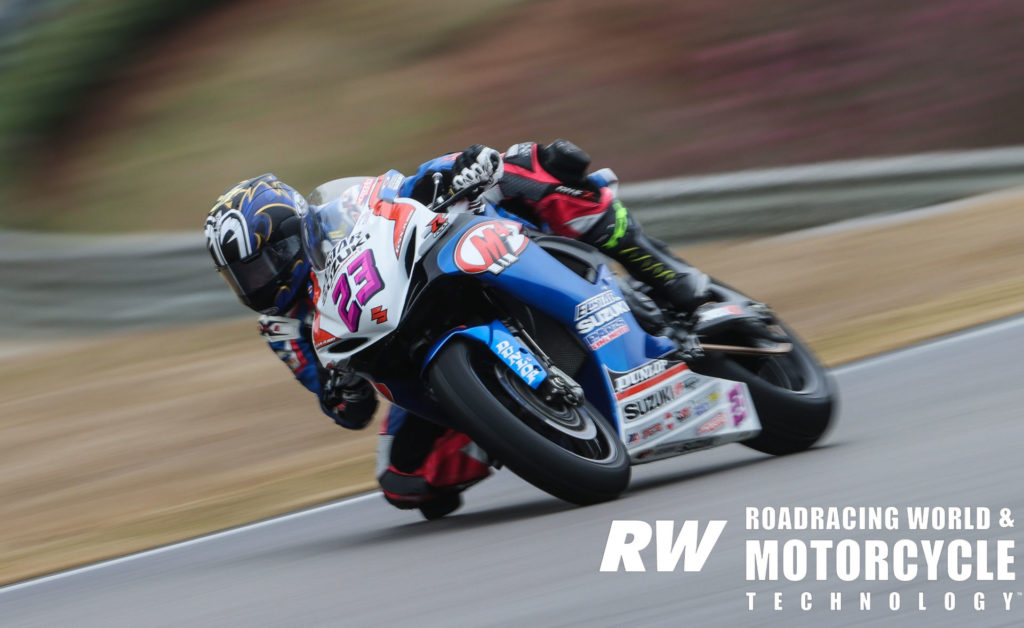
{"x":116,"y":444}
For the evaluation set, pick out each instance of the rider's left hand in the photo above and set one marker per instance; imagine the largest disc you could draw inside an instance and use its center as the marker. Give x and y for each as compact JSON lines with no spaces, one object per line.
{"x":349,"y":399}
{"x":477,"y":166}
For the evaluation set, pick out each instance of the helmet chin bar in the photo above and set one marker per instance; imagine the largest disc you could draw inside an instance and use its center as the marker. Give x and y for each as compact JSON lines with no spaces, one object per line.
{"x":260,"y":279}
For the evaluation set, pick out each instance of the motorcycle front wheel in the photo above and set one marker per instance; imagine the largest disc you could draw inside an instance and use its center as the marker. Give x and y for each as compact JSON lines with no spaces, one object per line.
{"x":568,"y":451}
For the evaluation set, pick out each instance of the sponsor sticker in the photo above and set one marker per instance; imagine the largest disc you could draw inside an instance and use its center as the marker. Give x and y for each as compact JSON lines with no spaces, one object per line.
{"x":715,"y":423}
{"x":721,"y":312}
{"x":364,"y":191}
{"x":648,"y":376}
{"x":738,"y":405}
{"x":392,"y":184}
{"x":379,"y":314}
{"x":344,"y":249}
{"x":607,"y":333}
{"x":598,"y":311}
{"x":685,"y":446}
{"x":647,"y":432}
{"x":575,"y":192}
{"x":490,"y":246}
{"x":701,"y":408}
{"x":439,"y":224}
{"x":522,"y":363}
{"x":648,"y":403}
{"x":622,"y":381}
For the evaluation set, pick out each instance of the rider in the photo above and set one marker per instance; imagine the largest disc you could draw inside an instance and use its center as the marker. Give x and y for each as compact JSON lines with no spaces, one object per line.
{"x":252,"y":233}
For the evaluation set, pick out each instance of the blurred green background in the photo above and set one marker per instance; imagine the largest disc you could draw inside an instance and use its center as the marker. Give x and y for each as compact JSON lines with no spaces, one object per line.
{"x":120,"y":116}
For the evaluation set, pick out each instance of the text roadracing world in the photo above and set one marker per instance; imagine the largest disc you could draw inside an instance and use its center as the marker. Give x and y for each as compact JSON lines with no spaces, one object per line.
{"x":920,"y":565}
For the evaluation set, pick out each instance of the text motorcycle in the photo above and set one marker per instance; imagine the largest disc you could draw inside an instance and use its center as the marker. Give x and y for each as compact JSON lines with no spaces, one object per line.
{"x":527,"y":343}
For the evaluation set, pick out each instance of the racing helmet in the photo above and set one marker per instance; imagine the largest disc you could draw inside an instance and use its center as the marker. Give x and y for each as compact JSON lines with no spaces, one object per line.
{"x":253,"y":235}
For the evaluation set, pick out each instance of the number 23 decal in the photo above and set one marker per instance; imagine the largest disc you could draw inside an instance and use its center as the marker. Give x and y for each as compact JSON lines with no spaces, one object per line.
{"x":366,"y":282}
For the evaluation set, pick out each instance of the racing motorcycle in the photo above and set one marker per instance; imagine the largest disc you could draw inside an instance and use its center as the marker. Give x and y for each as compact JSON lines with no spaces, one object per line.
{"x":532,"y":346}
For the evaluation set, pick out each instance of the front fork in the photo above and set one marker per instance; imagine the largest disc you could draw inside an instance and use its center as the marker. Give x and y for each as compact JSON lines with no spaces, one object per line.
{"x":558,"y":387}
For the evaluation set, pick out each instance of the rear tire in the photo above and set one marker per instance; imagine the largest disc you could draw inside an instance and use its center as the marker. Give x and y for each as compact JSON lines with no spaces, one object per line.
{"x":794,"y":395}
{"x":571,"y":453}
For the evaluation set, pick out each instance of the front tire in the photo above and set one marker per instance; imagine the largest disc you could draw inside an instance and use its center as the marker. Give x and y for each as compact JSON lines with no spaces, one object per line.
{"x":569,"y":452}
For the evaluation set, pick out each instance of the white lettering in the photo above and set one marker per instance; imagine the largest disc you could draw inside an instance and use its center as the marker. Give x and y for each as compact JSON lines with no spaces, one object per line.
{"x":931,"y":557}
{"x":903,"y":549}
{"x":894,"y":601}
{"x":625,"y":540}
{"x":762,"y":560}
{"x":875,"y":554}
{"x":794,"y":560}
{"x":956,"y":551}
{"x":805,"y":601}
{"x":696,"y":548}
{"x":847,"y":560}
{"x":1004,"y":558}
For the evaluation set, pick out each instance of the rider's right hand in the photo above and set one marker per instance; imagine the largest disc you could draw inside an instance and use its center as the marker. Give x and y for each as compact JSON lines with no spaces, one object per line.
{"x":477,"y":166}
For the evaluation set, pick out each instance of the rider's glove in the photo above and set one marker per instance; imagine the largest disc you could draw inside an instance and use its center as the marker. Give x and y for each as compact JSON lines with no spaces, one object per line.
{"x":347,"y":398}
{"x":477,"y":166}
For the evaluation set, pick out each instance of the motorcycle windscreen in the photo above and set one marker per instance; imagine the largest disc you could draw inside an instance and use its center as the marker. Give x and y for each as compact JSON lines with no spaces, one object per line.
{"x":323,"y":226}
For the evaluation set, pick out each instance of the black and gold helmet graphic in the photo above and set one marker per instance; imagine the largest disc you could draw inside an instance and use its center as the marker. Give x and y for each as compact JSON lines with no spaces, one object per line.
{"x":252,"y":234}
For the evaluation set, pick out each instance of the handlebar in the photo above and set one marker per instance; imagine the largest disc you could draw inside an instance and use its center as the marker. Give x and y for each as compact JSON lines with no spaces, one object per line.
{"x":454,"y":198}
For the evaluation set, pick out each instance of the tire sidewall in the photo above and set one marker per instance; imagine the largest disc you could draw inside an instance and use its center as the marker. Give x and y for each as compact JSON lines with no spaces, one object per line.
{"x":543,"y":463}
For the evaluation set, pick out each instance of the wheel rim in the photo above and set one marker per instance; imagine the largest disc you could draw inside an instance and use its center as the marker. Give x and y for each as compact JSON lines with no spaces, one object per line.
{"x":573,"y":429}
{"x":794,"y":371}
{"x":781,"y":375}
{"x":559,"y":416}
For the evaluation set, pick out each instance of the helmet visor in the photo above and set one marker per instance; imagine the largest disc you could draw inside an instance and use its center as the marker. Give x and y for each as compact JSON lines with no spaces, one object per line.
{"x":250,"y":278}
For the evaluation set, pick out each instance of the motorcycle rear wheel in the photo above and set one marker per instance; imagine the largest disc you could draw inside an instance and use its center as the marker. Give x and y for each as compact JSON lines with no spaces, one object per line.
{"x":794,"y":395}
{"x":569,"y":452}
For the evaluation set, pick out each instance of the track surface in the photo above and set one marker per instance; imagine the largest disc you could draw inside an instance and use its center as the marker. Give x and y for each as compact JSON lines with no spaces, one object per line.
{"x":936,"y":424}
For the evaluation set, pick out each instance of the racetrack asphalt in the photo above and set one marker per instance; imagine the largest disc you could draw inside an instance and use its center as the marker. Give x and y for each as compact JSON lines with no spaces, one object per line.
{"x":932,"y":425}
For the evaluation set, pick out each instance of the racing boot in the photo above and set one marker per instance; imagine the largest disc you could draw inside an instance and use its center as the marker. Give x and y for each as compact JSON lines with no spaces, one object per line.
{"x":619,"y":236}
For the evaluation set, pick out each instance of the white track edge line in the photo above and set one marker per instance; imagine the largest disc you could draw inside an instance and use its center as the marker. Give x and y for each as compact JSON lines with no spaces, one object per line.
{"x":930,"y":345}
{"x":245,"y":527}
{"x":840,"y":370}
